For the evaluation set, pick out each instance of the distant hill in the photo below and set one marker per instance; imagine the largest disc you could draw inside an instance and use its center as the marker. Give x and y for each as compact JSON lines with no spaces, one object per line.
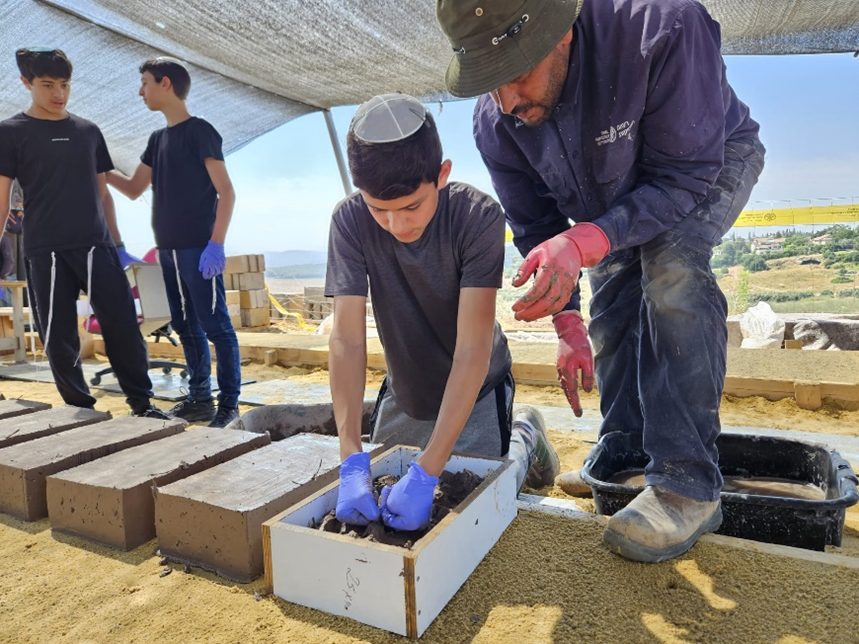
{"x":294,"y":258}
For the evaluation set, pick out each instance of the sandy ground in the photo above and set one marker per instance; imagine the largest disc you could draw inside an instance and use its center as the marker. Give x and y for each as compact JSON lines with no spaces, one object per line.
{"x":547,"y":580}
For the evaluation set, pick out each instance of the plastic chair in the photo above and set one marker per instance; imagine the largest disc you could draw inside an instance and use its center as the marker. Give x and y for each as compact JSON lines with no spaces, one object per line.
{"x":147,"y":287}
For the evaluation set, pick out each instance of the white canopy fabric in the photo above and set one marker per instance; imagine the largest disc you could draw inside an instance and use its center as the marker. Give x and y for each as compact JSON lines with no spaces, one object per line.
{"x":259,"y":63}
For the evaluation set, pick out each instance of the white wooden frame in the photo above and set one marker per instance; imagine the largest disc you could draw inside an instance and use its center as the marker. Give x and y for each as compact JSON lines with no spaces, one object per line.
{"x":393,"y":588}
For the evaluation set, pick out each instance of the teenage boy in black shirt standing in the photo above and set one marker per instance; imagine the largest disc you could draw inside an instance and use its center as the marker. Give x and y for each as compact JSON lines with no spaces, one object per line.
{"x":191,"y":211}
{"x":71,"y":240}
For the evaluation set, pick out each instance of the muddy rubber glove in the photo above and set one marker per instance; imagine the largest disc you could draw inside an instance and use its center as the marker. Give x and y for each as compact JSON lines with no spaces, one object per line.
{"x":212,"y":261}
{"x":574,"y":353}
{"x":126,"y":258}
{"x":408,"y":504}
{"x":556,"y":264}
{"x":356,"y":503}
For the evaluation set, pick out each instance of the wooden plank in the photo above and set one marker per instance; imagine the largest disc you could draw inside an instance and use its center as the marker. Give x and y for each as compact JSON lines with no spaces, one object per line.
{"x":840,"y":391}
{"x":569,"y":509}
{"x":17,"y":407}
{"x":770,"y":389}
{"x":793,"y":344}
{"x":21,"y":429}
{"x":110,"y":500}
{"x":24,"y":468}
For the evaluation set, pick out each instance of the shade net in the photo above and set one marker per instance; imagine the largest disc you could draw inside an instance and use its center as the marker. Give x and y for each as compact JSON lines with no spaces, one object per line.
{"x":256,"y":64}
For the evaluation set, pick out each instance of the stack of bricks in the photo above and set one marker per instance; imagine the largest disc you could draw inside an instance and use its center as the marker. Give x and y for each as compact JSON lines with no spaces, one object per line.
{"x":316,"y":305}
{"x":247,"y":298}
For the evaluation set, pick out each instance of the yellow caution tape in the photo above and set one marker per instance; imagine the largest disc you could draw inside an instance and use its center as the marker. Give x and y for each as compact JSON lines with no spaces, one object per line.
{"x":803,"y":215}
{"x":289,"y":314}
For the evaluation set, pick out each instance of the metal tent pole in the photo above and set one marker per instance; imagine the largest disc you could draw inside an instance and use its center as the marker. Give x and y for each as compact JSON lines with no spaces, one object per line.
{"x":338,"y":153}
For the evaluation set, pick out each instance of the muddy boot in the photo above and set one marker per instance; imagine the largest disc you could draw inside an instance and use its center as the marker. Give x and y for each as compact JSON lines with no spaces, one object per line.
{"x":659,"y":525}
{"x":573,"y":484}
{"x":545,"y":463}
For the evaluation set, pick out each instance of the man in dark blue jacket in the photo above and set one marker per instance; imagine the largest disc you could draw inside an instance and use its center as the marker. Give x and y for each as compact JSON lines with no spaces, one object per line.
{"x":617,"y":115}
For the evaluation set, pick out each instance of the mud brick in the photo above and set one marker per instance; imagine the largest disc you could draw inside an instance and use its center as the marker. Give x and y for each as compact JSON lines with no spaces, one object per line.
{"x":234,"y":310}
{"x":256,"y":317}
{"x":24,"y":468}
{"x":46,"y":422}
{"x":250,"y":281}
{"x":236,"y":321}
{"x":14,"y":408}
{"x":233,"y":297}
{"x":261,"y":263}
{"x":110,"y":500}
{"x":214,"y":519}
{"x":237,"y":264}
{"x":254,"y":299}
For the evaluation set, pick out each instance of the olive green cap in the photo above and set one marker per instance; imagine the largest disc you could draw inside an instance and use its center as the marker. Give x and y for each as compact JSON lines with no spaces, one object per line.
{"x":496,"y":41}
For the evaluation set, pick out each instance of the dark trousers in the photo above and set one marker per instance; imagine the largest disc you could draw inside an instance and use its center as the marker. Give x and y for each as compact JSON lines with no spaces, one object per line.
{"x":659,"y":330}
{"x":113,"y":306}
{"x":196,"y":323}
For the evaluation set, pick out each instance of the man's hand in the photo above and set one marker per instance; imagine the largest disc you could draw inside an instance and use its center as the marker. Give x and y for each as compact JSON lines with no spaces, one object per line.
{"x":557,"y":263}
{"x":212,"y":261}
{"x":408,"y":504}
{"x":574,"y":353}
{"x":356,"y":503}
{"x":126,"y":258}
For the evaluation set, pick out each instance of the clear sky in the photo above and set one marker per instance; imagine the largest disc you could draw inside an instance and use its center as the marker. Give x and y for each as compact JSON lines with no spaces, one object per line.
{"x":287,"y":181}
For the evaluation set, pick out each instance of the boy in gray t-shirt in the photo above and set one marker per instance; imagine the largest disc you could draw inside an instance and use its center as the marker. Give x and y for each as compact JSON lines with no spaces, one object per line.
{"x":433,"y":254}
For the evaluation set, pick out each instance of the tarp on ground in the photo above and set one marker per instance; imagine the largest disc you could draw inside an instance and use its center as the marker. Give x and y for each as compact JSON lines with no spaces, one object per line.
{"x":259,"y":63}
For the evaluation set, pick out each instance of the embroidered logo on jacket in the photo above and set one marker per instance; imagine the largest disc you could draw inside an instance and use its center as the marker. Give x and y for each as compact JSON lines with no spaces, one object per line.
{"x":615,"y":132}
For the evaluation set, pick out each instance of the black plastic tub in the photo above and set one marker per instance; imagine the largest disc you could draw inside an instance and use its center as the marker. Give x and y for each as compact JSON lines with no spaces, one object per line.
{"x":811,"y":524}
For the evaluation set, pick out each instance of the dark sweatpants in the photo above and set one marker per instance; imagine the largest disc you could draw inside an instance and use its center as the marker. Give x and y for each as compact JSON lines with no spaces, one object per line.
{"x":114,"y":308}
{"x":659,"y":330}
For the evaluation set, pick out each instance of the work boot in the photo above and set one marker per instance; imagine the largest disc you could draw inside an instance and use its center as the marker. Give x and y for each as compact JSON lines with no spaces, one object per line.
{"x":152,"y":412}
{"x":545,"y":463}
{"x":659,"y":525}
{"x":225,"y":416}
{"x":573,"y":484}
{"x":195,"y":411}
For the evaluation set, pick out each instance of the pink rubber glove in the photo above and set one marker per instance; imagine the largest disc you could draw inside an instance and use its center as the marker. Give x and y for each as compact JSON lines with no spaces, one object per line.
{"x":574,"y":353}
{"x":556,"y":264}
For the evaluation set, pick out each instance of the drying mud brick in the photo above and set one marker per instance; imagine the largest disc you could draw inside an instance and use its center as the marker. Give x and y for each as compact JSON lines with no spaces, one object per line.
{"x":253,"y":299}
{"x":21,"y":429}
{"x":237,"y":264}
{"x":14,"y":408}
{"x":110,"y":500}
{"x":214,"y":519}
{"x":233,"y":297}
{"x":256,"y":317}
{"x":24,"y":468}
{"x":250,"y":281}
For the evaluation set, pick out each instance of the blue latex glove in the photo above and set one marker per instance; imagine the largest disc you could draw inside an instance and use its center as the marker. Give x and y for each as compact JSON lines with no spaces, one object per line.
{"x":212,"y":261}
{"x":356,"y":503}
{"x":408,"y":504}
{"x":126,"y":258}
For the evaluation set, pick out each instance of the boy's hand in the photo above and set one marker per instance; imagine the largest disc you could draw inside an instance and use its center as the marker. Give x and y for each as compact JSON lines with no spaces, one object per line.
{"x":356,"y":503}
{"x":126,"y":258}
{"x":408,"y":504}
{"x":212,"y":261}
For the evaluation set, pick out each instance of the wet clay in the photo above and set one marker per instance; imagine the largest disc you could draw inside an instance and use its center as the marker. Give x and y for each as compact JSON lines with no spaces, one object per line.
{"x":760,"y":486}
{"x":452,"y":490}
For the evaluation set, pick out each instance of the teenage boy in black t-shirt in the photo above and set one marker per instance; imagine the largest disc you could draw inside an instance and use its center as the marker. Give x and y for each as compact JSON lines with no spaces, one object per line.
{"x":433,"y":255}
{"x":71,"y":240}
{"x":191,"y":211}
